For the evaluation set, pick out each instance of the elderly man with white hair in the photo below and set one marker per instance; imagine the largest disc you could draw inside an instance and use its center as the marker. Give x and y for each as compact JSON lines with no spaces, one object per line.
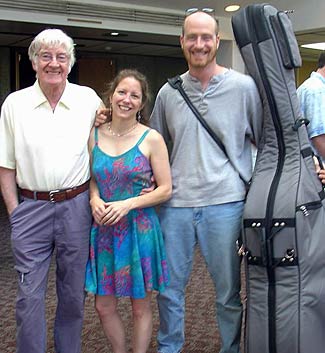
{"x":44,"y":177}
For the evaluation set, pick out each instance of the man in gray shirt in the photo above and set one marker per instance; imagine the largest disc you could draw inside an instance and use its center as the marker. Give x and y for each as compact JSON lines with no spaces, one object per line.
{"x":208,"y":192}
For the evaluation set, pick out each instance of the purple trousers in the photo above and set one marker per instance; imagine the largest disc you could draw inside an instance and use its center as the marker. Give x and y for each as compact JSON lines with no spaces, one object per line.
{"x":39,"y":229}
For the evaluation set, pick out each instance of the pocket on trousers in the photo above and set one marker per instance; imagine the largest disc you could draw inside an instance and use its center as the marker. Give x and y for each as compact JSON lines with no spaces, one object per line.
{"x":15,"y":213}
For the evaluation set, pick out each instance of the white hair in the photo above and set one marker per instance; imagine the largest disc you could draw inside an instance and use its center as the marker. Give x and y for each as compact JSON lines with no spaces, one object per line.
{"x":52,"y":37}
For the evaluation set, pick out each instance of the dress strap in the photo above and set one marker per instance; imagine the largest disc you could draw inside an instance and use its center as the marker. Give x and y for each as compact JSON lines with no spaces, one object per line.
{"x":96,"y":136}
{"x":143,"y":136}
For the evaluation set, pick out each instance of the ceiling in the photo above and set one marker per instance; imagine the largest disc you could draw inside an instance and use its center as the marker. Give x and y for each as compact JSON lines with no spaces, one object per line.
{"x":94,"y":40}
{"x":99,"y":40}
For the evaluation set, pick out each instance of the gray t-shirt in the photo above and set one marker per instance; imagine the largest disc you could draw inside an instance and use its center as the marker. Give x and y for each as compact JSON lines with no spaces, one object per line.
{"x":202,"y":175}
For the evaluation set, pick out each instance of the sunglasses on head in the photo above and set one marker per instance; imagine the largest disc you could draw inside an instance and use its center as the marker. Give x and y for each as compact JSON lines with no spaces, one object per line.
{"x":206,"y":10}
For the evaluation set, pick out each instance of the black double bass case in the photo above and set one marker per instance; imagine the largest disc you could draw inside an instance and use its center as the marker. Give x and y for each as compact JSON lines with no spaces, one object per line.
{"x":284,"y":216}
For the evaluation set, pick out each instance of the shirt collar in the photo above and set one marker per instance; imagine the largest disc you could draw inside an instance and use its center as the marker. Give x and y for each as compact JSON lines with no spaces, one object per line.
{"x":66,"y":98}
{"x":317,"y":75}
{"x":214,"y":79}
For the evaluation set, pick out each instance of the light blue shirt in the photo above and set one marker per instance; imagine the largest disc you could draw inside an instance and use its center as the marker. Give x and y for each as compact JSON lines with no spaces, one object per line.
{"x":311,"y":95}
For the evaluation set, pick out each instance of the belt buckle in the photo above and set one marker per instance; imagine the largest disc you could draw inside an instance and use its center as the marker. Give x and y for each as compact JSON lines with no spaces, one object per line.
{"x":52,"y":195}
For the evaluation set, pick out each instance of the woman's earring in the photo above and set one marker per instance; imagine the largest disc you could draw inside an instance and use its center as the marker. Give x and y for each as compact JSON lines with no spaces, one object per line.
{"x":138,"y":116}
{"x":110,"y":110}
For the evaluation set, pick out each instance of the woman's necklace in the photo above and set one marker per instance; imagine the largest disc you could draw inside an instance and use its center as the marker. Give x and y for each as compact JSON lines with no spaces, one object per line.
{"x":109,"y":126}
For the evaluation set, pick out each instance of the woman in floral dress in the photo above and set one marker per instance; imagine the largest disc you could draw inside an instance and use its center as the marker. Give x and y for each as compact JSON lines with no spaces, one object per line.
{"x":127,"y":255}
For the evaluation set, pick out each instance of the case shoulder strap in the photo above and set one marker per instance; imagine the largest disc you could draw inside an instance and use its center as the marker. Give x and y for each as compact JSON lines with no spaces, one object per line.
{"x":176,"y":83}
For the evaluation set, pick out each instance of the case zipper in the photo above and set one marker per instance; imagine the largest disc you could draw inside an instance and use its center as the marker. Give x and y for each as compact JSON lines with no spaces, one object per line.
{"x":306,"y":207}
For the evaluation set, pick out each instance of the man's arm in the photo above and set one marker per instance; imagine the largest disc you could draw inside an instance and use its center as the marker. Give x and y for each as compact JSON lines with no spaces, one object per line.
{"x":158,"y":119}
{"x":256,"y":114}
{"x":101,"y":115}
{"x":312,"y":102}
{"x":319,"y":144}
{"x":9,"y":188}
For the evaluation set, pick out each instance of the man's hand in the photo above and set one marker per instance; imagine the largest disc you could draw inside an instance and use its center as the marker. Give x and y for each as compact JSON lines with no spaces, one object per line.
{"x":321,"y":175}
{"x":9,"y":188}
{"x":150,"y":188}
{"x":320,"y":171}
{"x":101,"y":116}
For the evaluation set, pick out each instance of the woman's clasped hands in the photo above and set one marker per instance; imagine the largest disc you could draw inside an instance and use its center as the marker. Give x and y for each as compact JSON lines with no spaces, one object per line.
{"x":109,"y":213}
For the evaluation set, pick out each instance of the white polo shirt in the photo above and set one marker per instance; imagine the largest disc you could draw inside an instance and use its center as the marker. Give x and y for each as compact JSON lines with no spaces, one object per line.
{"x":48,"y":149}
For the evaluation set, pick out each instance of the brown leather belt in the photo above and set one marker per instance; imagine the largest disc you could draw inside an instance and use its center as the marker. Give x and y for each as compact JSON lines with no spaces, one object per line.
{"x":55,"y":195}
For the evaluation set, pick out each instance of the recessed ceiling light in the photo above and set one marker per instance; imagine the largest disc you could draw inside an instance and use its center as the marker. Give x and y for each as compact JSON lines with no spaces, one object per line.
{"x":318,"y":46}
{"x":232,"y":8}
{"x":114,"y":34}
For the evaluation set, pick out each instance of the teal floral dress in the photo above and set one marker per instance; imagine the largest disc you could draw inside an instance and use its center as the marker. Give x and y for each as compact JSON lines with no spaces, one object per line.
{"x":128,"y":258}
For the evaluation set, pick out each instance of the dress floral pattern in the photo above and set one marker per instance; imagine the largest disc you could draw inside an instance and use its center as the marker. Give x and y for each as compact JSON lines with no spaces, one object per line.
{"x":128,"y":258}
